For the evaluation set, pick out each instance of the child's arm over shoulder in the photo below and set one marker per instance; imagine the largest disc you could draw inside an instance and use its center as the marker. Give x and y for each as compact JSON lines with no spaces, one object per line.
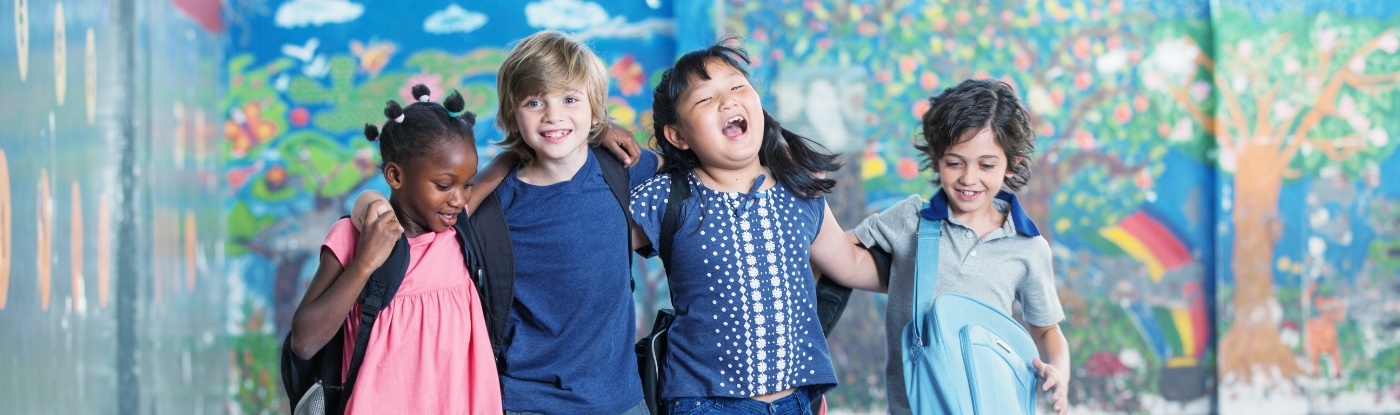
{"x":621,"y":143}
{"x":648,"y":209}
{"x":846,"y":263}
{"x":489,"y":177}
{"x":335,"y":288}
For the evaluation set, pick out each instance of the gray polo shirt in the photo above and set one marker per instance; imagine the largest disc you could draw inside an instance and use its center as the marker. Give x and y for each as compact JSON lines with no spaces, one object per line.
{"x":1009,"y":264}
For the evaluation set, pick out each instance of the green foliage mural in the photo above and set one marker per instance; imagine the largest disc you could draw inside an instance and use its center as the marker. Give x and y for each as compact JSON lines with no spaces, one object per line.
{"x":1139,"y":107}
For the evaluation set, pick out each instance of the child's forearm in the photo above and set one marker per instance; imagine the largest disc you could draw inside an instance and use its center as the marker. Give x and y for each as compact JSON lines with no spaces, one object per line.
{"x":846,"y":263}
{"x":1054,"y":348}
{"x":334,"y":290}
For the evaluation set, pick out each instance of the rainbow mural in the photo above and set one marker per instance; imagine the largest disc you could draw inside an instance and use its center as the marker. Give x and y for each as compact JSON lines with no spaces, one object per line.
{"x":1147,"y":240}
{"x":1178,"y":336}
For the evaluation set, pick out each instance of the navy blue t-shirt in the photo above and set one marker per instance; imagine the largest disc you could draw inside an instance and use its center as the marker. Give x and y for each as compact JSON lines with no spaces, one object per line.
{"x":569,"y":343}
{"x":745,"y":298}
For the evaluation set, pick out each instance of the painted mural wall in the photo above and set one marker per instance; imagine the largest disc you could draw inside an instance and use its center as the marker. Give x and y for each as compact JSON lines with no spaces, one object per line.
{"x":111,"y":230}
{"x":1217,"y":180}
{"x":305,"y":76}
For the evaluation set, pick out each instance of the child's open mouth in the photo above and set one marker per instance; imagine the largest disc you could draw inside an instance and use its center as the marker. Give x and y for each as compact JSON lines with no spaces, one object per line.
{"x":735,"y":126}
{"x":968,"y":194}
{"x":556,"y":136}
{"x":448,"y":219}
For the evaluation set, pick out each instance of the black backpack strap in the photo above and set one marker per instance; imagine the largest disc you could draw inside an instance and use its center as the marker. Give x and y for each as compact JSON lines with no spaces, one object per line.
{"x":380,"y":288}
{"x":615,"y":174}
{"x":492,"y":263}
{"x":680,"y":190}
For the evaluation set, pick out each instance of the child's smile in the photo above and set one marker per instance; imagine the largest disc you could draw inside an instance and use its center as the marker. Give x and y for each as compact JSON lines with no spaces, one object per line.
{"x":720,"y":119}
{"x":972,"y":172}
{"x":551,"y":124}
{"x":735,"y":127}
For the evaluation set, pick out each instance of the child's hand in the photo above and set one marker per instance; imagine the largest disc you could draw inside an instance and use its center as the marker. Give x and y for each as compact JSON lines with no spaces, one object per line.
{"x":361,"y":210}
{"x":380,"y":232}
{"x":1053,"y":377}
{"x":620,"y":142}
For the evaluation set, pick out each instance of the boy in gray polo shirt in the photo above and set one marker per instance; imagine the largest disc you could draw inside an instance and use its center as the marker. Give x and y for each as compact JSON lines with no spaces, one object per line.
{"x":978,"y":139}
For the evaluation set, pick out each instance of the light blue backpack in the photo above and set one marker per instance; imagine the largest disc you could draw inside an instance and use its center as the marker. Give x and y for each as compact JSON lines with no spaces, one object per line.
{"x":965,"y":356}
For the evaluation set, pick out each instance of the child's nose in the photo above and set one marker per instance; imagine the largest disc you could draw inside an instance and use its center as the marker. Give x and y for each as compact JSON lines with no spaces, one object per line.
{"x":457,"y":198}
{"x":967,"y":177}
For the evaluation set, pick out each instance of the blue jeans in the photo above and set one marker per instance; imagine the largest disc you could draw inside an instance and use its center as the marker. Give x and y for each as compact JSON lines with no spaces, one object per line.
{"x":798,"y":403}
{"x":640,"y":409}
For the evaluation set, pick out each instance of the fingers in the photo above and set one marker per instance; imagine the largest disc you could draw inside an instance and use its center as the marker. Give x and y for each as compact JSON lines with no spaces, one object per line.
{"x":1061,"y":400}
{"x":381,"y":215}
{"x":619,"y":149}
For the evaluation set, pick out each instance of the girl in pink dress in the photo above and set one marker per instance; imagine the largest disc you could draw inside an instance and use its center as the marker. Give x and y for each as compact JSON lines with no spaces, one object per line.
{"x":428,"y":352}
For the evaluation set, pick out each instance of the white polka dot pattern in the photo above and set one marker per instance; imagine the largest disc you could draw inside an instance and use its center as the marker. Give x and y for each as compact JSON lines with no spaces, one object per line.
{"x":742,"y":280}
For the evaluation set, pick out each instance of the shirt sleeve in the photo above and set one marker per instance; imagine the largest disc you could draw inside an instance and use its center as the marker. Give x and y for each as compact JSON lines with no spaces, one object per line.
{"x":341,"y":240}
{"x":1040,"y":303}
{"x":643,"y":170}
{"x":895,"y":229}
{"x":648,"y":208}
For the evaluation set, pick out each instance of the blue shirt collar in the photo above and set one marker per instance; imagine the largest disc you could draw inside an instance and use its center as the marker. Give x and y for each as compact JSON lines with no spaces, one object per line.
{"x":938,"y":210}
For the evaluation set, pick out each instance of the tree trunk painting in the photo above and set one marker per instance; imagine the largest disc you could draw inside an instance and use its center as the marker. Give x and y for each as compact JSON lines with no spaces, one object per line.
{"x":1253,"y":341}
{"x":1267,"y":133}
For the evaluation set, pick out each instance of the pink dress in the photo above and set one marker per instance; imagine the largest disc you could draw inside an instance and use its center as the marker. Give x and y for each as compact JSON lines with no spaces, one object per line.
{"x":429,"y":352}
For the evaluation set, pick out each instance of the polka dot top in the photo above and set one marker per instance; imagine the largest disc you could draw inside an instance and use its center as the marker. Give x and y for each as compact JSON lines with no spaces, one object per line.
{"x":742,"y":285}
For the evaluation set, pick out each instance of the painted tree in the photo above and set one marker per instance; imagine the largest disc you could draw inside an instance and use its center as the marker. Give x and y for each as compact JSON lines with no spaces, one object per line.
{"x":1297,"y":93}
{"x":1075,"y":63}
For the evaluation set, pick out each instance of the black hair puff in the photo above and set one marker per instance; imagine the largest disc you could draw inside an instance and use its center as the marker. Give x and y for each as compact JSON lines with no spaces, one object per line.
{"x":371,"y":132}
{"x":420,"y":91}
{"x":454,"y":102}
{"x":392,"y":110}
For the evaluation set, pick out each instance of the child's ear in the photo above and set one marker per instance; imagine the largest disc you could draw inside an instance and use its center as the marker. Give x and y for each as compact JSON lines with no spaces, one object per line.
{"x":1011,"y":170}
{"x":393,"y":173}
{"x":674,"y":137}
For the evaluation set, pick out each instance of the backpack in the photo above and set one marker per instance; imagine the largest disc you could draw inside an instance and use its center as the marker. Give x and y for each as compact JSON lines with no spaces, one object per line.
{"x":651,"y":349}
{"x":486,"y":249}
{"x":963,"y":356}
{"x":492,"y":263}
{"x":313,"y":385}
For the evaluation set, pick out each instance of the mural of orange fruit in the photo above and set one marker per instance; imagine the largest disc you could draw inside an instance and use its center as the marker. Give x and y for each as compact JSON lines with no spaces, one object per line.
{"x":276,"y":177}
{"x":44,"y":245}
{"x":5,"y":243}
{"x":77,"y":236}
{"x":191,"y":249}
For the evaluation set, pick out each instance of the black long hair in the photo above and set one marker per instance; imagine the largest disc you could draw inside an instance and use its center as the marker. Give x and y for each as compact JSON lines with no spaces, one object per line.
{"x":797,"y":162}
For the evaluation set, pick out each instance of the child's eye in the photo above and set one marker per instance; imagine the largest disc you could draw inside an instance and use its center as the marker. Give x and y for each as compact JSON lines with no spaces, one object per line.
{"x":951,"y":163}
{"x":736,"y":88}
{"x":988,"y":166}
{"x":702,"y":100}
{"x":570,"y":100}
{"x":532,"y":103}
{"x":442,"y":187}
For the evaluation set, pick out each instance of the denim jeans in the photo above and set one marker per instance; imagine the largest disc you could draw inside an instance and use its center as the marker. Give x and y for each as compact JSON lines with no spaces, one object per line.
{"x":798,"y":403}
{"x":640,"y":409}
